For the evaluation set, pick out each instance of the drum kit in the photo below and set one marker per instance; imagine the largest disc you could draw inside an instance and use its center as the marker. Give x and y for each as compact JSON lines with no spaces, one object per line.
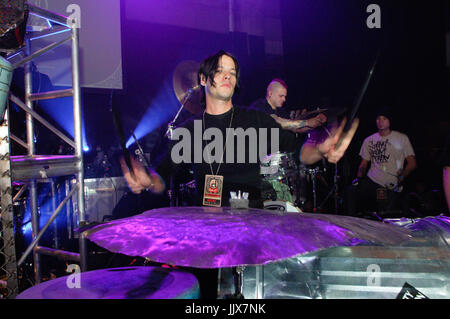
{"x":222,"y":237}
{"x":285,"y":181}
{"x":208,"y":238}
{"x":217,"y":238}
{"x":289,"y":180}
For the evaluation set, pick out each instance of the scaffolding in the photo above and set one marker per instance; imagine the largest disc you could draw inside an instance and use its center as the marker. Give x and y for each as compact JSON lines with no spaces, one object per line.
{"x":32,"y":168}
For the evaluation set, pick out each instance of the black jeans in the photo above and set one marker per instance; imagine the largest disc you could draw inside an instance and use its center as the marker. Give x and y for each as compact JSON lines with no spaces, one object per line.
{"x":363,"y":198}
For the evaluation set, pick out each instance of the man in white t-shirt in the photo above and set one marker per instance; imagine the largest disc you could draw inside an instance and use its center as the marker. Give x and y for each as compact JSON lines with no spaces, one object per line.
{"x":385,"y":152}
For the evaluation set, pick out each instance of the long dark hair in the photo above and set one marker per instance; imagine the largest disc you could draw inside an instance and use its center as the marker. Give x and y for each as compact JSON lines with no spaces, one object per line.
{"x":208,"y":68}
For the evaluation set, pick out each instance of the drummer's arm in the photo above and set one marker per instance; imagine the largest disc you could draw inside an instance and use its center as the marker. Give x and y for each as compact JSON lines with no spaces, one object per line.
{"x":291,"y":125}
{"x":332,"y":148}
{"x":300,"y":126}
{"x":310,"y":154}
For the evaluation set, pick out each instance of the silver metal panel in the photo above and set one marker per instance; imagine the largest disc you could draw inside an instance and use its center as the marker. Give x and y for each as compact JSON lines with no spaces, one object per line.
{"x":102,"y":195}
{"x":43,"y":166}
{"x":359,"y":272}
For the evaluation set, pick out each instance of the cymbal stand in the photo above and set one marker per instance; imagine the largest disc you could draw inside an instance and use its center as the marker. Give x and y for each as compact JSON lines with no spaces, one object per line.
{"x":299,"y":187}
{"x":140,"y":152}
{"x":238,"y":282}
{"x":169,"y":134}
{"x":334,"y":190}
{"x":170,"y":126}
{"x":313,"y":172}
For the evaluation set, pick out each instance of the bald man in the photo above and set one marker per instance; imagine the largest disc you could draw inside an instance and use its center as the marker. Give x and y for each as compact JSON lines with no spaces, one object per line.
{"x":272,"y":104}
{"x":275,"y":98}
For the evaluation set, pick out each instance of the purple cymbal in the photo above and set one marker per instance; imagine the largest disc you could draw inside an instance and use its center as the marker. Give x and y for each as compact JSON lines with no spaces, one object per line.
{"x":205,"y":237}
{"x":119,"y":283}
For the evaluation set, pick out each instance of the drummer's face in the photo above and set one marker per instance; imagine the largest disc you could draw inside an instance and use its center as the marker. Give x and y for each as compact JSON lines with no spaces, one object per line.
{"x":224,"y":80}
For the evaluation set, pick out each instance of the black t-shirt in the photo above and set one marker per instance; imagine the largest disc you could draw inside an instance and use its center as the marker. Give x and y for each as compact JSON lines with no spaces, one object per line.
{"x":264,"y":106}
{"x":243,"y":172}
{"x":293,"y":141}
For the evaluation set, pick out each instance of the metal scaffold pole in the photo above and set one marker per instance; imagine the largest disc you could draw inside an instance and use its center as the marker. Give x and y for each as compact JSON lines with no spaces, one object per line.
{"x":33,"y":202}
{"x":78,"y":141}
{"x":32,"y":168}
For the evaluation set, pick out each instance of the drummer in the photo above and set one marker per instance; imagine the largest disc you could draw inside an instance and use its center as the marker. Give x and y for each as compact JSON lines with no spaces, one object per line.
{"x":219,"y":76}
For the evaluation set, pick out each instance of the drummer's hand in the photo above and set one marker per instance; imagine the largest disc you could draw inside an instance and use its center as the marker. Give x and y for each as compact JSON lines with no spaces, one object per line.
{"x":316,"y":121}
{"x":131,"y":178}
{"x":139,"y":179}
{"x":334,"y":147}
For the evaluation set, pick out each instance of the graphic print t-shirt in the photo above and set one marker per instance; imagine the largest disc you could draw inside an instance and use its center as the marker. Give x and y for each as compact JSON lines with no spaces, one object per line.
{"x":387,"y":155}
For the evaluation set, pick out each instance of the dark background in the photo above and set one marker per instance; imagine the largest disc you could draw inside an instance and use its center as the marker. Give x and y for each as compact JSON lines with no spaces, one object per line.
{"x":327,"y":53}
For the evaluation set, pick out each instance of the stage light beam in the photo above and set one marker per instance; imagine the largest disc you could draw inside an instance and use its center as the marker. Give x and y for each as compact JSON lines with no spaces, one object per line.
{"x":161,"y":111}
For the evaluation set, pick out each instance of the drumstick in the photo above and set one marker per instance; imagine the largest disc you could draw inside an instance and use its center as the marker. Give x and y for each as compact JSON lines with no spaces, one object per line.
{"x":362,"y":93}
{"x":118,"y":125}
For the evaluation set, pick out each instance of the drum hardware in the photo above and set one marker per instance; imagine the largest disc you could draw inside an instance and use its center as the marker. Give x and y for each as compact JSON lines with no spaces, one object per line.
{"x":140,"y":152}
{"x":333,"y":190}
{"x":187,"y":91}
{"x":186,"y":86}
{"x":238,"y":282}
{"x":313,"y":173}
{"x":281,"y":172}
{"x":210,"y":237}
{"x":171,"y":125}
